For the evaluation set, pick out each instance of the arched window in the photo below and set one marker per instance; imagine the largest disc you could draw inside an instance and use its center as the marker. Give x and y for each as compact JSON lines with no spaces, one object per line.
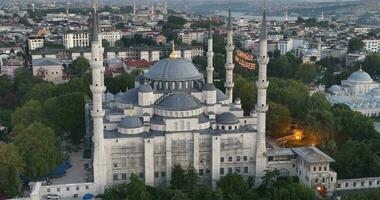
{"x":284,"y":173}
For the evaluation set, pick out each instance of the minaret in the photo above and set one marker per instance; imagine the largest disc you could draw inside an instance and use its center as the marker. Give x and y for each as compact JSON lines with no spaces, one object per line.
{"x":322,"y":16}
{"x":286,"y":15}
{"x":134,"y":8}
{"x":229,"y":84}
{"x":165,"y":12}
{"x":97,"y":88}
{"x":262,"y":107}
{"x":210,"y":57}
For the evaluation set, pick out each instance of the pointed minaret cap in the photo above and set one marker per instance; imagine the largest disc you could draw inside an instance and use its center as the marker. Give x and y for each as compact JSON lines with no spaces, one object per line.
{"x":210,"y":32}
{"x":95,"y":28}
{"x":173,"y":54}
{"x":229,"y":25}
{"x":264,"y":22}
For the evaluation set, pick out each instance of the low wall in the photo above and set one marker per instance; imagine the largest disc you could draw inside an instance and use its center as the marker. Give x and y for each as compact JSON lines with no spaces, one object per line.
{"x":358,"y":183}
{"x":75,"y":190}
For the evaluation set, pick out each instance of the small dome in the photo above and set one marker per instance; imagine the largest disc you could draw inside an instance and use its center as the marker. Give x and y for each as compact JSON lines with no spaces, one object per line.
{"x":173,"y":69}
{"x":375,"y":92}
{"x":360,"y":76}
{"x":144,"y":88}
{"x":209,"y":87}
{"x":179,"y":102}
{"x":226,"y":118}
{"x":140,"y":79}
{"x":312,"y":52}
{"x":237,"y":101}
{"x":335,"y":89}
{"x":130,"y":122}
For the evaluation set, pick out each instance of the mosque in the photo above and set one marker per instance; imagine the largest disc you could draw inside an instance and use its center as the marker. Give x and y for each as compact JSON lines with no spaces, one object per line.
{"x":175,"y":115}
{"x":360,"y":92}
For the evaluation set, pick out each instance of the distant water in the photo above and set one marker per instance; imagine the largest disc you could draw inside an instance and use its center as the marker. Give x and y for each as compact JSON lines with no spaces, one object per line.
{"x":254,"y":17}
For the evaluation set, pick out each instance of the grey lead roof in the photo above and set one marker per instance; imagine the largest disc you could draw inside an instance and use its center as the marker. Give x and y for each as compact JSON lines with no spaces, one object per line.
{"x":46,"y":62}
{"x":130,"y":122}
{"x":179,"y":102}
{"x":209,"y":87}
{"x":173,"y":69}
{"x":128,"y":97}
{"x":312,"y":155}
{"x":220,"y":96}
{"x":226,"y":118}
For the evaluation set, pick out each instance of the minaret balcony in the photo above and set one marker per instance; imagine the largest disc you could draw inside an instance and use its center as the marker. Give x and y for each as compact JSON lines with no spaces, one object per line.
{"x":229,"y":85}
{"x":261,"y":108}
{"x":230,"y":66}
{"x":263,"y":60}
{"x":210,"y":54}
{"x":97,"y":113}
{"x":262,"y":84}
{"x":230,"y":48}
{"x":97,"y":89}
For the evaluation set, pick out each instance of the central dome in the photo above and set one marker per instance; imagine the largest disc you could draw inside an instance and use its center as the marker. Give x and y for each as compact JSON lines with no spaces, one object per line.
{"x":361,"y":76}
{"x":173,"y":69}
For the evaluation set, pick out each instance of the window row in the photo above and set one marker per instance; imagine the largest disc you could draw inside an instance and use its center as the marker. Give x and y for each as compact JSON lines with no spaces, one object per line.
{"x":237,"y":170}
{"x":230,"y":159}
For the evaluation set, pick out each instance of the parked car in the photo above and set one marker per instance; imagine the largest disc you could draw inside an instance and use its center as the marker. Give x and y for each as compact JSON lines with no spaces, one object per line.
{"x":52,"y":196}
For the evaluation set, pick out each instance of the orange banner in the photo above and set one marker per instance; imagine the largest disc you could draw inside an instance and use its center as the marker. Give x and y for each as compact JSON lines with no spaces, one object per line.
{"x":245,"y":60}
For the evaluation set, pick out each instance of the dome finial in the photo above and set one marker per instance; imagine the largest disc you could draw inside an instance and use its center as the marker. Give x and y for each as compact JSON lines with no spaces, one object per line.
{"x":361,"y":68}
{"x":173,"y":54}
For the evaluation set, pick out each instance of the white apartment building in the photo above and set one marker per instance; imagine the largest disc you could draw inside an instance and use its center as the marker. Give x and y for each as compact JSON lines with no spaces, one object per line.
{"x":76,"y":39}
{"x":111,"y":37}
{"x":188,"y":36}
{"x":35,"y":42}
{"x":372,"y":45}
{"x":285,"y":46}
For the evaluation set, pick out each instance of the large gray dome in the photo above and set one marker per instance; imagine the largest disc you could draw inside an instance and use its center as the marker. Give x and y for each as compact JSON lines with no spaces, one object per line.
{"x":173,"y":69}
{"x":179,"y":102}
{"x":130,"y":122}
{"x":360,"y":76}
{"x":226,"y":118}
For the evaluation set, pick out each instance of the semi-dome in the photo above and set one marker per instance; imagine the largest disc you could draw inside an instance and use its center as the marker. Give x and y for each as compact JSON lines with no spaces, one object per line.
{"x":220,"y":96}
{"x":375,"y":92}
{"x":173,"y":69}
{"x":179,"y":102}
{"x":335,"y":89}
{"x":209,"y":87}
{"x":312,"y":52}
{"x":130,"y":122}
{"x":226,"y":118}
{"x":360,"y":76}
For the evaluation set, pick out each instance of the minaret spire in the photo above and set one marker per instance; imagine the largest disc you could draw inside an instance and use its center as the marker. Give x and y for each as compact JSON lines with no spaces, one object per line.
{"x":210,"y":57}
{"x":97,"y":88}
{"x":229,"y":84}
{"x":262,"y":107}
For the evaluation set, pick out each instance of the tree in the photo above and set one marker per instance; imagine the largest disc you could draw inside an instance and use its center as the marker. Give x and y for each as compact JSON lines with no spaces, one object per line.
{"x":191,"y":179}
{"x":200,"y":62}
{"x":178,"y":177}
{"x":355,"y":44}
{"x":248,"y":96}
{"x":105,"y":43}
{"x":30,"y":112}
{"x":41,"y":92}
{"x":79,"y":66}
{"x":40,"y":148}
{"x":120,"y":26}
{"x":12,"y":165}
{"x":232,"y":184}
{"x":136,"y":189}
{"x":306,"y":73}
{"x":279,"y":119}
{"x":371,"y":64}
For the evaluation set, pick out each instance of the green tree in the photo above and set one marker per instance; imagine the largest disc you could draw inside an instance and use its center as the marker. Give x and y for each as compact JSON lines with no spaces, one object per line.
{"x":200,"y":62}
{"x":30,"y":112}
{"x":306,"y":73}
{"x":279,"y":119}
{"x":248,"y":96}
{"x":371,"y":64}
{"x":105,"y":43}
{"x":79,"y":66}
{"x":42,"y":160}
{"x":232,"y":184}
{"x":136,"y":189}
{"x":41,"y":92}
{"x":178,"y":177}
{"x":355,"y":44}
{"x":12,"y":165}
{"x":191,"y":179}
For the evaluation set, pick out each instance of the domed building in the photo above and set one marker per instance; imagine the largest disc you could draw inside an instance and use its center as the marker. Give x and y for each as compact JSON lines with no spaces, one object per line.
{"x":173,"y":116}
{"x":360,"y":92}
